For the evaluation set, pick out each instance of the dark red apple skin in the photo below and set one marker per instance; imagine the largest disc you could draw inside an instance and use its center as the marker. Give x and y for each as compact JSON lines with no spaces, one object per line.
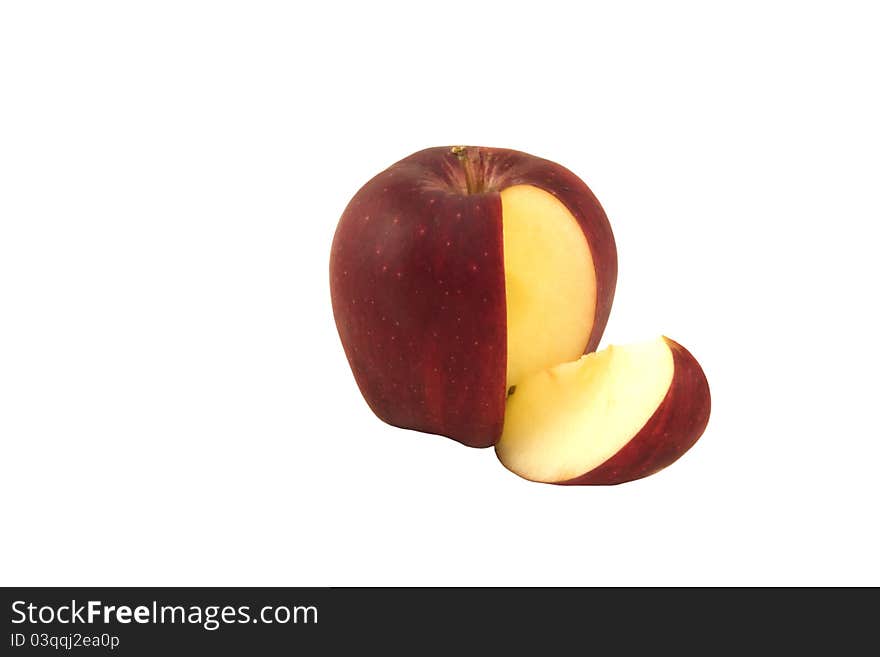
{"x":417,"y":285}
{"x":672,"y":430}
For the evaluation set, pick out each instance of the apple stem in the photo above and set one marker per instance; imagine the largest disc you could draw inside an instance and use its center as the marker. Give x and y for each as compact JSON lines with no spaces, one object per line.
{"x":461,"y":153}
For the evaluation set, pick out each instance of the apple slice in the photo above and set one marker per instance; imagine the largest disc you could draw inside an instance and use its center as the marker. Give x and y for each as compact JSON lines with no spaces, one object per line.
{"x":612,"y":416}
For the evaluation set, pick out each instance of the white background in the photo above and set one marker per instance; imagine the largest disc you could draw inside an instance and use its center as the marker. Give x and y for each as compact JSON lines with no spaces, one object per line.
{"x":175,"y":406}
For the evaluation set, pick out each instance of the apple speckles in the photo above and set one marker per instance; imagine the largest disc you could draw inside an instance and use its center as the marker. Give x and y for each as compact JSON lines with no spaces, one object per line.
{"x":366,"y":218}
{"x":432,"y":201}
{"x":474,"y":267}
{"x":378,"y":251}
{"x":458,"y":215}
{"x":422,"y":230}
{"x":448,"y":242}
{"x":485,"y":254}
{"x":395,"y":221}
{"x":384,"y":268}
{"x":399,"y":274}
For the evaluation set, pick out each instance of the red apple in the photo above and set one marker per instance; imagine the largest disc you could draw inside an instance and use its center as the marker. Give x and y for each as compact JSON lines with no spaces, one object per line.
{"x":458,"y":272}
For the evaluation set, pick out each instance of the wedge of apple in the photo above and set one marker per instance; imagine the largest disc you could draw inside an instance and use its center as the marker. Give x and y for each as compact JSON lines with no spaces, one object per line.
{"x":609,"y":417}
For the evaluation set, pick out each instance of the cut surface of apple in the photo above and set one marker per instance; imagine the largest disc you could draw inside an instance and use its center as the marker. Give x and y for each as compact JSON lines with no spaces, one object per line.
{"x":550,"y":282}
{"x":611,"y":416}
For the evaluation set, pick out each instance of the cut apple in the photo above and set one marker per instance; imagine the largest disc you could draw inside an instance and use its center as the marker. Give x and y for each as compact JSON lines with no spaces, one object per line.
{"x":548,"y":273}
{"x":613,"y":416}
{"x":458,"y":271}
{"x":467,"y":283}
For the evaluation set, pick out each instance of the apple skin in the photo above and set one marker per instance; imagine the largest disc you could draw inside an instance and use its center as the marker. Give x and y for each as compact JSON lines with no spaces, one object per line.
{"x":417,"y":285}
{"x":675,"y":426}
